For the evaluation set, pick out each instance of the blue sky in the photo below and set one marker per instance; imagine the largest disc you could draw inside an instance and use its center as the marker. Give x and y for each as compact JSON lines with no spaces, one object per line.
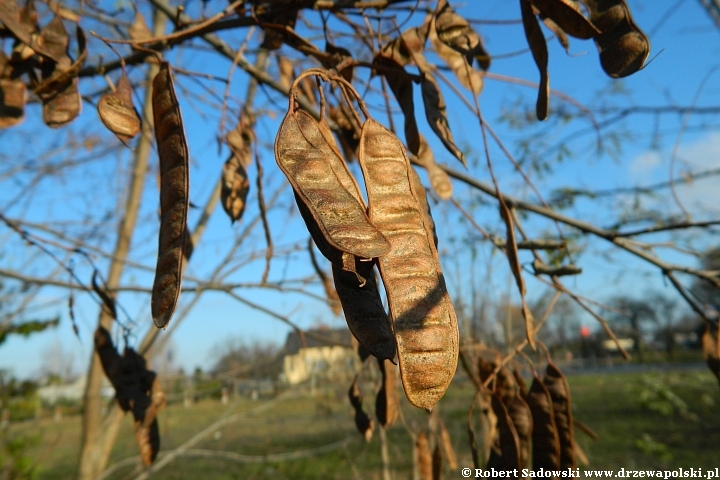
{"x":685,"y":47}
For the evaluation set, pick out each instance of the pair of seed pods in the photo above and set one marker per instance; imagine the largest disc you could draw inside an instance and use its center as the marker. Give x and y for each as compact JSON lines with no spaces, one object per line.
{"x":395,"y":232}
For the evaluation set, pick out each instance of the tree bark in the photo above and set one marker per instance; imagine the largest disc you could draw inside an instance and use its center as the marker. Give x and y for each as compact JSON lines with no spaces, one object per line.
{"x":98,"y":434}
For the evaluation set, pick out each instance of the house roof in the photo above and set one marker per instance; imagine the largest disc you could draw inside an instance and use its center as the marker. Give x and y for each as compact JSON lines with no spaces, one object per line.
{"x":320,"y":337}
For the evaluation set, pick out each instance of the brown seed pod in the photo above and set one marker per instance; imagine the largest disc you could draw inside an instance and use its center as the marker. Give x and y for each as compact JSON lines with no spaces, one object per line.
{"x":462,"y":68}
{"x":566,"y":14}
{"x":545,"y":439}
{"x":401,"y":85}
{"x":363,"y":422}
{"x":447,"y":447}
{"x":330,"y":292}
{"x":300,"y":153}
{"x":13,"y":18}
{"x":424,"y":457}
{"x":139,"y":29}
{"x":622,"y":45}
{"x":12,"y":102}
{"x":559,"y":391}
{"x":174,"y":196}
{"x":118,"y":113}
{"x":482,"y":427}
{"x":58,"y":90}
{"x":710,"y":351}
{"x":423,"y":317}
{"x":439,"y":180}
{"x":504,"y":452}
{"x":234,"y":189}
{"x":136,"y":389}
{"x":436,"y":114}
{"x":558,"y":32}
{"x":521,"y":418}
{"x":387,"y":401}
{"x":538,"y":47}
{"x":455,"y":32}
{"x":436,"y":463}
{"x":422,"y":198}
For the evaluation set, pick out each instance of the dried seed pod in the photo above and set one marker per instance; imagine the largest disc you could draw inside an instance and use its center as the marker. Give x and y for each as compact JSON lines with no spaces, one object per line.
{"x":234,"y":189}
{"x":12,"y":102}
{"x":462,"y":68}
{"x":136,"y":389}
{"x":436,"y":463}
{"x":710,"y":351}
{"x":424,"y":457}
{"x":521,"y":418}
{"x":401,"y":85}
{"x":439,"y":180}
{"x":361,"y":302}
{"x":538,"y":47}
{"x":559,"y":391}
{"x":404,"y":49}
{"x":455,"y":32}
{"x":512,"y":255}
{"x":422,"y":198}
{"x":338,"y":214}
{"x":436,"y":113}
{"x":59,"y":87}
{"x":545,"y":439}
{"x":139,"y":29}
{"x":558,"y":32}
{"x":174,"y":196}
{"x":118,"y":113}
{"x":486,"y":422}
{"x":622,"y":45}
{"x":520,"y":381}
{"x":566,"y":14}
{"x":447,"y":446}
{"x":423,"y":317}
{"x":16,"y":21}
{"x":387,"y":401}
{"x":363,"y":422}
{"x":504,"y":452}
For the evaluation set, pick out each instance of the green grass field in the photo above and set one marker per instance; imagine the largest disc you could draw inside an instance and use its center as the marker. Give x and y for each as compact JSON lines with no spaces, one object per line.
{"x":644,"y":420}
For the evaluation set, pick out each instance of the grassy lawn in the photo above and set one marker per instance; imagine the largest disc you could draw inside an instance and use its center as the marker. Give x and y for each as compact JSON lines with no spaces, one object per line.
{"x":644,"y":420}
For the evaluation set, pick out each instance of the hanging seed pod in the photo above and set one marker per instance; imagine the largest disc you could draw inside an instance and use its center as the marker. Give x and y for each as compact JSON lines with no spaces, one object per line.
{"x":436,"y":114}
{"x":538,"y":47}
{"x":401,"y":85}
{"x":423,"y":456}
{"x":455,"y":32}
{"x":447,"y":447}
{"x":387,"y":401}
{"x":330,"y":292}
{"x":622,"y":45}
{"x":174,"y":196}
{"x":340,"y":217}
{"x":504,"y":452}
{"x":439,"y":180}
{"x":12,"y":102}
{"x":559,"y":391}
{"x":363,"y":422}
{"x":545,"y":439}
{"x":466,"y":75}
{"x":521,"y":418}
{"x":118,"y":113}
{"x":566,"y":14}
{"x":710,"y":352}
{"x":424,"y":320}
{"x":482,"y":427}
{"x":234,"y":189}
